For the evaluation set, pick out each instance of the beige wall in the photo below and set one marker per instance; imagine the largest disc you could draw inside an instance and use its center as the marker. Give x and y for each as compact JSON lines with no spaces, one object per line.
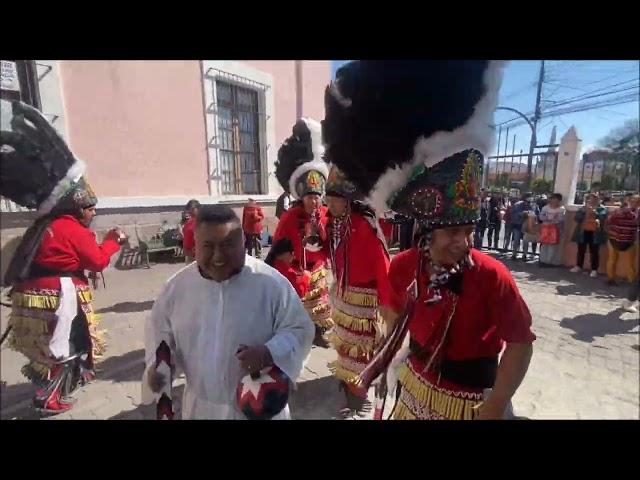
{"x":139,"y":125}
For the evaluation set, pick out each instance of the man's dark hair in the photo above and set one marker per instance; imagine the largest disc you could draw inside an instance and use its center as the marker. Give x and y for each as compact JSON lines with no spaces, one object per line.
{"x":216,"y":214}
{"x":191,"y":204}
{"x":557,"y":196}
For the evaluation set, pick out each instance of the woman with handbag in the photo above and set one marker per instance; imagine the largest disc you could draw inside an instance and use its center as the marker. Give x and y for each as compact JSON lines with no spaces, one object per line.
{"x":552,"y":217}
{"x":589,"y":232}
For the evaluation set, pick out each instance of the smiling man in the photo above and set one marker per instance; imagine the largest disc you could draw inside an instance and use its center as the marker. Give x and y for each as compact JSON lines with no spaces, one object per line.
{"x":226,"y":315}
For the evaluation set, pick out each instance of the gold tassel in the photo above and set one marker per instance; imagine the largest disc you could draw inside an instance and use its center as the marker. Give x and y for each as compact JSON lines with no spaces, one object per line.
{"x":468,"y":412}
{"x":42,"y":302}
{"x":403,"y":412}
{"x":317,"y":275}
{"x":360,"y":299}
{"x":342,"y":373}
{"x":444,"y":404}
{"x":364,"y":348}
{"x":353,"y":323}
{"x":28,"y":326}
{"x":86,"y":296}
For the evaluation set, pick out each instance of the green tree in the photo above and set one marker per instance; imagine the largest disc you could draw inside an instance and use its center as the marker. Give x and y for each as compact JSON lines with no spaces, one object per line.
{"x":608,"y":182}
{"x":581,"y":186}
{"x":540,"y":186}
{"x":624,"y":143}
{"x":503,"y":180}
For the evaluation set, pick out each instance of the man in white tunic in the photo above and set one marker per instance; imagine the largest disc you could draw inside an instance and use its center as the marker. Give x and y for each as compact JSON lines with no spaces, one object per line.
{"x":212,"y":307}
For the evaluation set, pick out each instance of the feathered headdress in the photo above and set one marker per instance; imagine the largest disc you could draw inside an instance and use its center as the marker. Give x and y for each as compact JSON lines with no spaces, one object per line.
{"x":300,"y":168}
{"x":411,"y":135}
{"x":38,"y":171}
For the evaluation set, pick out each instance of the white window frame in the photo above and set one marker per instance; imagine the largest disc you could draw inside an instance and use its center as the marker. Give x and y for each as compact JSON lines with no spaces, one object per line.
{"x":240,"y":74}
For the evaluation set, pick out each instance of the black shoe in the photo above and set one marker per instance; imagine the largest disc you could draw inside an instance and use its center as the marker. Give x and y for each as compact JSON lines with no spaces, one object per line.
{"x":319,"y":340}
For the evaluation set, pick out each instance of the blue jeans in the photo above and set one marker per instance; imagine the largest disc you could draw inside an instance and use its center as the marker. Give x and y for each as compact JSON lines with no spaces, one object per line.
{"x":516,"y":232}
{"x":508,"y":231}
{"x":478,"y":236}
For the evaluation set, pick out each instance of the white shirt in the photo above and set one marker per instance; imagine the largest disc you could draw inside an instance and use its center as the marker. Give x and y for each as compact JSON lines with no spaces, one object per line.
{"x":204,"y":322}
{"x":552,"y":215}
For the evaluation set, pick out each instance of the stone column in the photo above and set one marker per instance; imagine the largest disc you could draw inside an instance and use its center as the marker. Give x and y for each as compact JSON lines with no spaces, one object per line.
{"x":568,"y":165}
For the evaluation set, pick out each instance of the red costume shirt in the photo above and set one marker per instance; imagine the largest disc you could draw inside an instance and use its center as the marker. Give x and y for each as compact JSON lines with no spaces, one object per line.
{"x":292,"y":225}
{"x":188,"y":235}
{"x":299,"y":279}
{"x":252,"y":217}
{"x":489,"y":312}
{"x":367,"y":262}
{"x":69,"y":246}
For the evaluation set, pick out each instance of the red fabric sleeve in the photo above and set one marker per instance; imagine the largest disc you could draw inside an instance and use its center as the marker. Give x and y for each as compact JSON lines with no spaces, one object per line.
{"x":93,"y":256}
{"x":402,"y":272}
{"x":379,"y":262}
{"x":288,"y":228}
{"x":283,"y":226}
{"x":299,"y":282}
{"x":508,"y":309}
{"x":188,"y":236}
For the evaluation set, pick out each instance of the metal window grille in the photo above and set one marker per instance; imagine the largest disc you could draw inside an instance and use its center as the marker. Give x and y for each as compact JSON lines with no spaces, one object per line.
{"x":238,"y":138}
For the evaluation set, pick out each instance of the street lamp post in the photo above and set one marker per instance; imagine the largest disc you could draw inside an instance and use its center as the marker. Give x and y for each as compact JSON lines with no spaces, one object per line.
{"x":532,"y":145}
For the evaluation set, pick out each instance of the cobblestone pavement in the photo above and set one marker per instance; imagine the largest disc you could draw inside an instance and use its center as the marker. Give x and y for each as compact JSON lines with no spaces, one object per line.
{"x":585,"y":365}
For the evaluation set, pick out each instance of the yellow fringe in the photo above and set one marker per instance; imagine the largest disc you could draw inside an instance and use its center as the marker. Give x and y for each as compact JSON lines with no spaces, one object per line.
{"x":447,"y":406}
{"x":320,"y":309}
{"x":86,"y":296}
{"x":318,"y":274}
{"x":353,"y":350}
{"x":360,"y":299}
{"x":41,"y":368}
{"x":312,"y":294}
{"x":353,"y":323}
{"x":93,"y":319}
{"x":342,"y":373}
{"x":323,"y":322}
{"x":37,"y":367}
{"x":403,"y":413}
{"x":27,"y":326}
{"x":44,"y":302}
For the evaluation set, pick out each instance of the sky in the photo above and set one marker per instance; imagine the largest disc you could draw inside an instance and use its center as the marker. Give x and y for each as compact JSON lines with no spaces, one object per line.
{"x":564,"y":79}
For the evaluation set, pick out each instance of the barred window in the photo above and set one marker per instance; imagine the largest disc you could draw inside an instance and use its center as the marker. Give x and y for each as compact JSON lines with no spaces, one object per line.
{"x":19,"y":81}
{"x":238,"y":139}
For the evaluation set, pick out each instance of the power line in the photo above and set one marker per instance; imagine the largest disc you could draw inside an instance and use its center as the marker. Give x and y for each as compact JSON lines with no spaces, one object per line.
{"x":590,"y":106}
{"x":593,"y":93}
{"x":623,"y":99}
{"x":518,"y":92}
{"x":573,"y":87}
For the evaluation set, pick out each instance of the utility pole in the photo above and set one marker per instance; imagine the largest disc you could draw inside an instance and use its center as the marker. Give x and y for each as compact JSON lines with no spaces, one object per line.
{"x":536,"y":117}
{"x":497,"y":161}
{"x":298,"y":77}
{"x":504,"y":163}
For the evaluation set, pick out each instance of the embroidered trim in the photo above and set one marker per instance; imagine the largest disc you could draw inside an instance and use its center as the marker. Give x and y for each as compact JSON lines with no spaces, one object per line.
{"x":442,"y":402}
{"x":353,"y":323}
{"x":354,"y":310}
